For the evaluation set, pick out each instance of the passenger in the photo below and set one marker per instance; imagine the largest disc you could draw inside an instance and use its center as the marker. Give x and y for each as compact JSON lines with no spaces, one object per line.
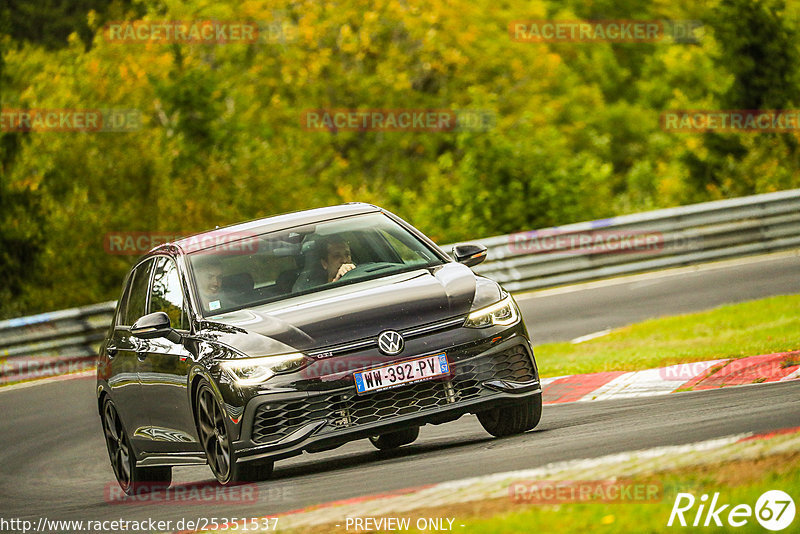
{"x":209,"y":284}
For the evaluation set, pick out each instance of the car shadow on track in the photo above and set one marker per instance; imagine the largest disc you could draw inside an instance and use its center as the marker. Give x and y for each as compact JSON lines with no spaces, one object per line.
{"x":375,"y":457}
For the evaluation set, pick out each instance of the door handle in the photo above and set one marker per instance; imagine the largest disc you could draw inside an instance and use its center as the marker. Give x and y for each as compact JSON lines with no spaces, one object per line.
{"x":111,"y":350}
{"x":141,"y":355}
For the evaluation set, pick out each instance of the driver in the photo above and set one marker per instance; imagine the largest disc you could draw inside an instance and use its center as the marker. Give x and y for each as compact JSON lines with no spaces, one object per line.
{"x":336,"y":259}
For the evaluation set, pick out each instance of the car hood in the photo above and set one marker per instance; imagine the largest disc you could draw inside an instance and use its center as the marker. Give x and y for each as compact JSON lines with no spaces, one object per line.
{"x":357,"y":311}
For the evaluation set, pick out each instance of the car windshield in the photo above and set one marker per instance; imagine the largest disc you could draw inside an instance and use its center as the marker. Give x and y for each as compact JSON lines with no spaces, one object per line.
{"x":246,"y":271}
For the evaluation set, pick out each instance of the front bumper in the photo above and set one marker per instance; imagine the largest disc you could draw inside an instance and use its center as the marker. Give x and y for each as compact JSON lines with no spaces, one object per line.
{"x":485,"y":376}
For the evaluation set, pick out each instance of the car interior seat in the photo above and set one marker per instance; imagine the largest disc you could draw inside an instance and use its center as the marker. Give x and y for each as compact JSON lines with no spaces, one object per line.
{"x":312,"y":274}
{"x":239,"y":284}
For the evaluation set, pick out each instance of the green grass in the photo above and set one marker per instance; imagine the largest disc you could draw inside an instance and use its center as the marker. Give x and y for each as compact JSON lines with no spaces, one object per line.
{"x":733,"y":331}
{"x":737,"y":483}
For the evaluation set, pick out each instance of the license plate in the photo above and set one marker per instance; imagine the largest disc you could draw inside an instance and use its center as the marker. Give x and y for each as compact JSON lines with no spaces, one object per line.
{"x":398,"y":374}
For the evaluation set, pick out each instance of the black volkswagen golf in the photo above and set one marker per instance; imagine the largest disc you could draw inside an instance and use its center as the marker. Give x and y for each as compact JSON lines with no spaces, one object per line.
{"x":301,"y":332}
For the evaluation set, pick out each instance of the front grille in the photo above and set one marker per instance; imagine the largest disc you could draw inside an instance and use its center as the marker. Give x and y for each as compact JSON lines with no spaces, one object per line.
{"x":274,"y":421}
{"x":512,"y":364}
{"x":399,"y":401}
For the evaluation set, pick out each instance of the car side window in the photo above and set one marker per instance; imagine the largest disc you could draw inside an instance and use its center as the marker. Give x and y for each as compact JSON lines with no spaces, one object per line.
{"x":138,"y":293}
{"x":119,"y":318}
{"x":166,"y":294}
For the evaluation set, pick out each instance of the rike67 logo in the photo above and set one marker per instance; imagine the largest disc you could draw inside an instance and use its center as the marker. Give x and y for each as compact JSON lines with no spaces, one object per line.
{"x":774,"y":510}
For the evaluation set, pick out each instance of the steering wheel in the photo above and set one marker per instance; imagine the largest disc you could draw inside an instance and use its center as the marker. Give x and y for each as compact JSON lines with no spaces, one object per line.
{"x":367,"y":268}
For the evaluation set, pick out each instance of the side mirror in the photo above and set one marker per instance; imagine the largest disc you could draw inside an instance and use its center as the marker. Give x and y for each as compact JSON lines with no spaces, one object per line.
{"x":154,"y":325}
{"x":469,"y":254}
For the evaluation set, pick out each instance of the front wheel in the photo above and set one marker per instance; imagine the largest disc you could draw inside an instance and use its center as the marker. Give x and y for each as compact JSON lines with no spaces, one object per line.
{"x":392,"y":440}
{"x":131,"y":479}
{"x":513,"y":419}
{"x":214,"y":437}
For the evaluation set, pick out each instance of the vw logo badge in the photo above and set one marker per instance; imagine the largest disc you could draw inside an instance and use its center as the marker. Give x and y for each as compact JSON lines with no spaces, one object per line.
{"x":390,"y":342}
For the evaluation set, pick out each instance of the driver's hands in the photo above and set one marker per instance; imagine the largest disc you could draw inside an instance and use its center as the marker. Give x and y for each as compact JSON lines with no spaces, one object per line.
{"x":346,"y":267}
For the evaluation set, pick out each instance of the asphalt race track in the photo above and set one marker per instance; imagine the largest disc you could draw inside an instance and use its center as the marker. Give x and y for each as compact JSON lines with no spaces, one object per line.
{"x":565,"y":316}
{"x":53,"y":461}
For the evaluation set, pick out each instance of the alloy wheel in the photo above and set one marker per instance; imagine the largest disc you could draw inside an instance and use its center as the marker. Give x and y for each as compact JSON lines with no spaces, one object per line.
{"x":117,"y":443}
{"x":213,"y":433}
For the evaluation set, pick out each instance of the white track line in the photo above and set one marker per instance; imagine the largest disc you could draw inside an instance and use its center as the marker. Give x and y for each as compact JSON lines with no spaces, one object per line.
{"x":593,"y":335}
{"x":791,"y":376}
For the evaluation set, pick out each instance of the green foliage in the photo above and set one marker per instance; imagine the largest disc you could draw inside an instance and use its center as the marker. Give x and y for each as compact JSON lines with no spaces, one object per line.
{"x":576,"y":136}
{"x":50,"y":22}
{"x":758,"y":48}
{"x":21,"y":242}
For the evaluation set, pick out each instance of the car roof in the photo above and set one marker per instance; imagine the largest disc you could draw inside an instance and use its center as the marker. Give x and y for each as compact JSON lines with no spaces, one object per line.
{"x":270,"y":224}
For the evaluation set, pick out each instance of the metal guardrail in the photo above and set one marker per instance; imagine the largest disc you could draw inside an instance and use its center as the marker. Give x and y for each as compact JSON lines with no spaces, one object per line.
{"x":668,"y":238}
{"x":52,"y":343}
{"x":63,"y":341}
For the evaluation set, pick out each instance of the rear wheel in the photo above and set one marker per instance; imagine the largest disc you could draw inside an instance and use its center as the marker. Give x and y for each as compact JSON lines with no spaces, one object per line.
{"x":215,"y":438}
{"x":513,"y":419}
{"x":123,"y":461}
{"x":392,"y":440}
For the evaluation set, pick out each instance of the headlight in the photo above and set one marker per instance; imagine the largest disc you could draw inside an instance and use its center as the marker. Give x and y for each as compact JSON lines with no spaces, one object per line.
{"x":503,"y":313}
{"x":252,"y":371}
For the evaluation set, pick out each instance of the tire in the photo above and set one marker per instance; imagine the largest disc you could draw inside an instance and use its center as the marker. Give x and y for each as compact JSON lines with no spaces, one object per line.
{"x":392,"y":440}
{"x":131,"y":479}
{"x":215,"y":438}
{"x":514,"y":419}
